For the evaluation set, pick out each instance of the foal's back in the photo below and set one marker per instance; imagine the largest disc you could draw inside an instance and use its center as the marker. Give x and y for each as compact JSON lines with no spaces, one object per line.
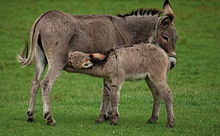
{"x":141,"y":60}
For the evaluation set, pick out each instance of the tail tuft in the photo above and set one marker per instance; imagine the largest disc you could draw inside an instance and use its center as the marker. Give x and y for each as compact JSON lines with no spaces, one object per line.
{"x":23,"y":57}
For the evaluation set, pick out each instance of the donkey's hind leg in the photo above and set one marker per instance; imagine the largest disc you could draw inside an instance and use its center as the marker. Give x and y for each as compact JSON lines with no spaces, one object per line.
{"x":39,"y":69}
{"x":156,"y":102}
{"x":46,"y":85}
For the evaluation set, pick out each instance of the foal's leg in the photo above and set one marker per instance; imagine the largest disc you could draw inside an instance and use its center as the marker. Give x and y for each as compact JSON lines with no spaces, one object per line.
{"x":156,"y":102}
{"x":165,"y":93}
{"x":105,"y":102}
{"x":46,"y":85}
{"x":39,"y":69}
{"x":114,"y":99}
{"x":167,"y":97}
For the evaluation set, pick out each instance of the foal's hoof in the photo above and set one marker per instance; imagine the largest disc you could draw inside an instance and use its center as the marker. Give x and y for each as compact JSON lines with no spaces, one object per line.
{"x":152,"y":120}
{"x":170,"y":124}
{"x":114,"y":119}
{"x":114,"y":122}
{"x":101,"y":119}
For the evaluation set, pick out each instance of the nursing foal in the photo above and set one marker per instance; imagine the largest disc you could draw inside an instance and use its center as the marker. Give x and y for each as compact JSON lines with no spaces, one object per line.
{"x":141,"y":61}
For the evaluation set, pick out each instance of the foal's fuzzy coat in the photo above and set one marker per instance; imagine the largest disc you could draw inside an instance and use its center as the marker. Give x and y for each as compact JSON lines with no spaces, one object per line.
{"x":143,"y":61}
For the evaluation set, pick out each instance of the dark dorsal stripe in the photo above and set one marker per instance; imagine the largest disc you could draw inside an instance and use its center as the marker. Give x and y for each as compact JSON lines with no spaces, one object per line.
{"x":142,"y":12}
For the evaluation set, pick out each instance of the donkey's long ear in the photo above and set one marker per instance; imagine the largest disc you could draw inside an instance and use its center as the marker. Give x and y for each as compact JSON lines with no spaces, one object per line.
{"x":167,"y":9}
{"x":166,"y":20}
{"x":97,"y":56}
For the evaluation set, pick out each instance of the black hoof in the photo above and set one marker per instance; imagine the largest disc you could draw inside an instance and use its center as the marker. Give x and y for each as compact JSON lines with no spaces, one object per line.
{"x":49,"y":118}
{"x":30,"y":116}
{"x":51,"y":123}
{"x":30,"y":119}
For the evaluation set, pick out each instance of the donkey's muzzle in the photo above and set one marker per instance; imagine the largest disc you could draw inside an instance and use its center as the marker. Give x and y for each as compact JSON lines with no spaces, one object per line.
{"x":172,"y":59}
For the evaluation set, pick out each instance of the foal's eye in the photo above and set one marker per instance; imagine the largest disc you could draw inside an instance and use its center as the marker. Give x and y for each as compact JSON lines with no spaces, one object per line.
{"x":165,"y":37}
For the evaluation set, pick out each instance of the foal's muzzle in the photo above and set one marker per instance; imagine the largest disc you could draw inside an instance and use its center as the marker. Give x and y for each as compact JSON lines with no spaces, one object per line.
{"x":172,"y":59}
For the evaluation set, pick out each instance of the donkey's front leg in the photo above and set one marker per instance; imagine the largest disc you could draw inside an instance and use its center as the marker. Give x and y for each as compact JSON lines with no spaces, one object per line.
{"x":104,"y":109}
{"x":114,"y":99}
{"x":46,"y":85}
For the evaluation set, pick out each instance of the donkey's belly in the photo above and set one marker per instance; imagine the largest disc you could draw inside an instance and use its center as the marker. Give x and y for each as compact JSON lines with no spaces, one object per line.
{"x":138,"y":76}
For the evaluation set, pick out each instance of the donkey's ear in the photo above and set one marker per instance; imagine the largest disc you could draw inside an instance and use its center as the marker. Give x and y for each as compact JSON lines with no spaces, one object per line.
{"x":167,"y":9}
{"x":97,"y":56}
{"x":166,"y":20}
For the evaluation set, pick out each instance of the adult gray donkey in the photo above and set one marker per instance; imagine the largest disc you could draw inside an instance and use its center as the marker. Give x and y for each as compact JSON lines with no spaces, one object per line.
{"x":54,"y":34}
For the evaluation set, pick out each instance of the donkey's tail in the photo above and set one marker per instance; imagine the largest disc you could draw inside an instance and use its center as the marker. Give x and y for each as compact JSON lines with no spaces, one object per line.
{"x":27,"y":56}
{"x":24,"y":57}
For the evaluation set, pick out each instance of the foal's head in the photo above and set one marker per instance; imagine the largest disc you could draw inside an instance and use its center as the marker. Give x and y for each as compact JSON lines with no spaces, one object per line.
{"x":79,"y":60}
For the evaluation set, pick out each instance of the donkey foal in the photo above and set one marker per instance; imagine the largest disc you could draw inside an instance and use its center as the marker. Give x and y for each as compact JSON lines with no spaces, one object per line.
{"x":142,"y":61}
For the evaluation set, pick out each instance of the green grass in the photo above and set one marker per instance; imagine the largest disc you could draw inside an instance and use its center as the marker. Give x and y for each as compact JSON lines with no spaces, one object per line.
{"x":76,"y":98}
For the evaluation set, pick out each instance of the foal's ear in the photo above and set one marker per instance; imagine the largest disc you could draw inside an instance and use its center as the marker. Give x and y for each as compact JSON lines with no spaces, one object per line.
{"x":97,"y":56}
{"x":166,"y":20}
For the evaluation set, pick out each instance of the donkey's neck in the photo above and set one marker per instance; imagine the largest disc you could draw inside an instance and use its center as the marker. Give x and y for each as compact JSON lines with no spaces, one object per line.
{"x":136,"y":29}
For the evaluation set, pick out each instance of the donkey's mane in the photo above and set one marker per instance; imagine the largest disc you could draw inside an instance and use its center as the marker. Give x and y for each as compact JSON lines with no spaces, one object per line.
{"x":142,"y":12}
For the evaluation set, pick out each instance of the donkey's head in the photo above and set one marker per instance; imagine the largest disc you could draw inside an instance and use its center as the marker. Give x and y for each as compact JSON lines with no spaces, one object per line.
{"x":165,"y":34}
{"x":79,"y":60}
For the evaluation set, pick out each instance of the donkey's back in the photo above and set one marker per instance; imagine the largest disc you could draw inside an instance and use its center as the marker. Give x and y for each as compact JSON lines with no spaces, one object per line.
{"x":86,"y":33}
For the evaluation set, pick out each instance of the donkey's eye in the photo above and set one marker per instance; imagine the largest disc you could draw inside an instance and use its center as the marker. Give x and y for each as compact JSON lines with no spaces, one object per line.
{"x":165,"y":37}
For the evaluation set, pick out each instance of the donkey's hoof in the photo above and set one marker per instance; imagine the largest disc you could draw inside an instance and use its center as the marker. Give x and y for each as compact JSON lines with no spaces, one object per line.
{"x":30,"y":119}
{"x":152,"y":120}
{"x":51,"y":123}
{"x":30,"y":116}
{"x":49,"y":118}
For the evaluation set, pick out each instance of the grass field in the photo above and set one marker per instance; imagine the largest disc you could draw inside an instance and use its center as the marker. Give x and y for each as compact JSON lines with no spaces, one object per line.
{"x":195,"y":81}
